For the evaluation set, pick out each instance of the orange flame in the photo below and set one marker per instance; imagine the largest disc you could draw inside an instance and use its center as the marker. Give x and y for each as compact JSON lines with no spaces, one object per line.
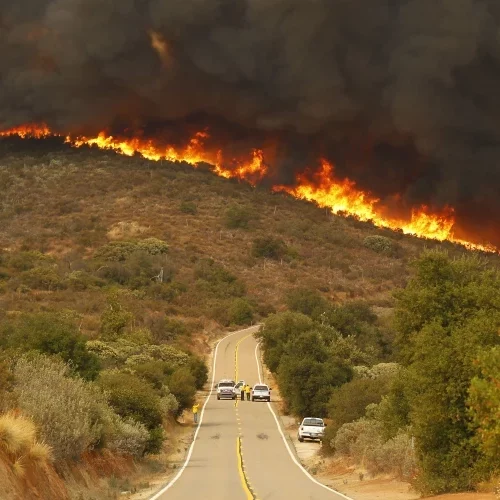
{"x":321,"y":187}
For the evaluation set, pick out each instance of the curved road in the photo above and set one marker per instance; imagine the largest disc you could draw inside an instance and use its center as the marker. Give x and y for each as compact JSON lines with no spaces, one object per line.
{"x":239,"y":450}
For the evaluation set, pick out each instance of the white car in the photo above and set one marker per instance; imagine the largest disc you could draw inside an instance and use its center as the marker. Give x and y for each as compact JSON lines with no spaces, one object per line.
{"x":311,"y":428}
{"x":262,"y":392}
{"x":225,"y":389}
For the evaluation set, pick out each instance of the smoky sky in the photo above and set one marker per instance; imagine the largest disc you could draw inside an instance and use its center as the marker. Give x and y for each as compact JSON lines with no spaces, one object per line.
{"x":403,"y":95}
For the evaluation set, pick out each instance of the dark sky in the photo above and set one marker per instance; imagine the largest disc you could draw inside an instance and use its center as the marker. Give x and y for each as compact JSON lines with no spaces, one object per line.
{"x":403,"y":95}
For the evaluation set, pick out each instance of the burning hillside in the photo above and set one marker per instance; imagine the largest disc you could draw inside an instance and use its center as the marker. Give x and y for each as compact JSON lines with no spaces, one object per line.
{"x":383,"y":110}
{"x":319,"y":186}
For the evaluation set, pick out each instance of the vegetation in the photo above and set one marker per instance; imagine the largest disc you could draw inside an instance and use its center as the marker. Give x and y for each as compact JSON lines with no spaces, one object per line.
{"x":115,"y":272}
{"x":433,"y":417}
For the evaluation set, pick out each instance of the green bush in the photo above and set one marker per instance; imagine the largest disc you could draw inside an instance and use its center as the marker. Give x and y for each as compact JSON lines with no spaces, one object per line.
{"x":484,"y":401}
{"x":237,"y":217}
{"x":307,"y":302}
{"x":118,"y":251}
{"x":269,"y":248}
{"x":182,"y":384}
{"x":81,"y":280}
{"x":132,"y":397}
{"x":349,"y":401}
{"x":379,"y":244}
{"x":42,"y":278}
{"x":51,"y":333}
{"x":214,"y":280}
{"x":114,"y":320}
{"x":199,"y":370}
{"x":240,"y":312}
{"x":24,"y":261}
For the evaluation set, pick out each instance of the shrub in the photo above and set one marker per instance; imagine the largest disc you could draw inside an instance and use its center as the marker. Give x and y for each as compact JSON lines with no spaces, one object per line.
{"x":215,"y":280}
{"x":42,"y":278}
{"x":269,"y":247}
{"x":132,"y":397}
{"x":362,"y":441}
{"x":307,"y":302}
{"x":65,"y":409}
{"x":348,"y":402}
{"x":51,"y":333}
{"x":123,"y":435}
{"x":114,"y":320}
{"x":23,"y":261}
{"x":484,"y":401}
{"x":121,"y":250}
{"x":81,"y":280}
{"x":379,"y":244}
{"x":240,"y":312}
{"x":182,"y":384}
{"x":237,"y":217}
{"x":199,"y":370}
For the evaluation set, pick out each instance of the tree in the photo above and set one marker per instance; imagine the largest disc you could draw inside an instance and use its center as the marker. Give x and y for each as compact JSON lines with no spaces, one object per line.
{"x":276,"y":332}
{"x":240,"y":312}
{"x":448,"y":312}
{"x":308,"y":372}
{"x":484,"y":401}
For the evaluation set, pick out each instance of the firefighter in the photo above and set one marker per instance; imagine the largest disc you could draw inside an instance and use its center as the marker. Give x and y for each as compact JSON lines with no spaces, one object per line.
{"x":248,"y":391}
{"x":195,"y":412}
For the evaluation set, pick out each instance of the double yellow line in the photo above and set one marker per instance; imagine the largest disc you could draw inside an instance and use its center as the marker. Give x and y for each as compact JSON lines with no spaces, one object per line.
{"x":241,"y":469}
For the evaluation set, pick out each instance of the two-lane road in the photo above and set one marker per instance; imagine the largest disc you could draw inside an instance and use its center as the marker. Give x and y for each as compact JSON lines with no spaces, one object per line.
{"x":239,"y":451}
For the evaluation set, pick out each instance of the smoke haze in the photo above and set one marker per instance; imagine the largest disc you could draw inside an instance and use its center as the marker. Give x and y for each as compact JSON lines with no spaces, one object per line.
{"x":402,"y":95}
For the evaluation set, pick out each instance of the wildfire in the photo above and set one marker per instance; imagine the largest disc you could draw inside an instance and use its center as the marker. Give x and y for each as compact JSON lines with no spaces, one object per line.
{"x":321,"y":186}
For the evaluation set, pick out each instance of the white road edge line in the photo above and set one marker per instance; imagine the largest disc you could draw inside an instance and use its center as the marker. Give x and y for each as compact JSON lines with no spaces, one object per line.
{"x":292,"y":456}
{"x":191,"y":448}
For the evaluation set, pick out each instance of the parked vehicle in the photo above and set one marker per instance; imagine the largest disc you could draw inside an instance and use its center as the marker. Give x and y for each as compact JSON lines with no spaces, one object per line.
{"x":311,"y":428}
{"x":225,"y":389}
{"x":262,"y":392}
{"x":238,"y":387}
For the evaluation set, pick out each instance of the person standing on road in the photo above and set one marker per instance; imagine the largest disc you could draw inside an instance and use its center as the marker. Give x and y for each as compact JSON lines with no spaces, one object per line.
{"x":195,"y":412}
{"x":248,"y":389}
{"x":242,"y":392}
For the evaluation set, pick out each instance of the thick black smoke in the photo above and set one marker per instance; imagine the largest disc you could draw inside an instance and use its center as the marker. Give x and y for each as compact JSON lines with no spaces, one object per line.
{"x":404,"y":95}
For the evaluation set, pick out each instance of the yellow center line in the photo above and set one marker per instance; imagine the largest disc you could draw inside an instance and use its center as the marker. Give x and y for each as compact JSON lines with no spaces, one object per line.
{"x":241,"y":470}
{"x":243,"y":477}
{"x":236,"y":363}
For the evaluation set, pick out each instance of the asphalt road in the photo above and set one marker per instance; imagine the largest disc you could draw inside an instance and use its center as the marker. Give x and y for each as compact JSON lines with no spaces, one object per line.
{"x":239,"y":451}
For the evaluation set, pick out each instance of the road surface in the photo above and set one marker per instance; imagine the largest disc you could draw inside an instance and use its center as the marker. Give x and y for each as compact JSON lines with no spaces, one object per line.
{"x":239,"y":452}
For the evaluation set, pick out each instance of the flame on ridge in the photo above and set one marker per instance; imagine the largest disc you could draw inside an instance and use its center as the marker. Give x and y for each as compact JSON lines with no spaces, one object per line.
{"x":341,"y":196}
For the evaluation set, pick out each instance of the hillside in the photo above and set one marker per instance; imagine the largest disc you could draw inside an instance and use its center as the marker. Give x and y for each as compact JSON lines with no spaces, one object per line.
{"x":69,"y":203}
{"x":127,"y":268}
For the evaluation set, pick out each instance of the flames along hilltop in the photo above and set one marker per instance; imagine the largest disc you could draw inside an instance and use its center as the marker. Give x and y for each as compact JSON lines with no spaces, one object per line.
{"x":320,"y":186}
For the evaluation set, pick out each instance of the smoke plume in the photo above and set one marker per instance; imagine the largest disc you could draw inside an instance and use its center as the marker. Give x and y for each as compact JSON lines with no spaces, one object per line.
{"x":401,"y":95}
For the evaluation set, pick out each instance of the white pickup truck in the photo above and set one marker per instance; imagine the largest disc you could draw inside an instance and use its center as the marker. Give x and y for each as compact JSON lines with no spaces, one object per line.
{"x":311,"y":428}
{"x":225,"y":389}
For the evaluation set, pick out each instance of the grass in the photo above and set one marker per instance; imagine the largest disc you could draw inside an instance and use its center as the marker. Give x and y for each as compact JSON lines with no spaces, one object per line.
{"x":40,"y":453}
{"x":17,"y":433}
